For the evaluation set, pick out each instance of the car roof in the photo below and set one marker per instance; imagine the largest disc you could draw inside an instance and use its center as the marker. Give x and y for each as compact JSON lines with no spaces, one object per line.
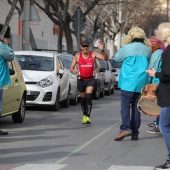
{"x":41,"y":53}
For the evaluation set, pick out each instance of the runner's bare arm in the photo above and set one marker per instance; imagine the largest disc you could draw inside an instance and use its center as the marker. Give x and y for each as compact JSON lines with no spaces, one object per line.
{"x":73,"y":64}
{"x":104,"y":55}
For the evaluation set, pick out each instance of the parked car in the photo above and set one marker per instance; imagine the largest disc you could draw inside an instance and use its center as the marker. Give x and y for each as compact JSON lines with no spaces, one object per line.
{"x":109,"y":84}
{"x":99,"y":81}
{"x":117,"y":66}
{"x":74,"y":93}
{"x":46,"y":78}
{"x":14,"y":94}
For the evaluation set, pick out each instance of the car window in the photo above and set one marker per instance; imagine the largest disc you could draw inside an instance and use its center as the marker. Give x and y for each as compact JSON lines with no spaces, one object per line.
{"x":61,"y":64}
{"x":104,"y":64}
{"x":115,"y":64}
{"x":66,"y":60}
{"x":37,"y":63}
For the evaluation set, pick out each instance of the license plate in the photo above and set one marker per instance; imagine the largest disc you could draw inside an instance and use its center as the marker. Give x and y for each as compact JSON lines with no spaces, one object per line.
{"x":28,"y":92}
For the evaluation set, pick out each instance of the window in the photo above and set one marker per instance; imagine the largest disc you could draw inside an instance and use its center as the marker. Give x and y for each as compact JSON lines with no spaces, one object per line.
{"x":37,"y":63}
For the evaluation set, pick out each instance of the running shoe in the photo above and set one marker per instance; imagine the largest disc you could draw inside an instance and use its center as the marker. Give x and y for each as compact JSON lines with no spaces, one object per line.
{"x":88,"y":121}
{"x":84,"y":119}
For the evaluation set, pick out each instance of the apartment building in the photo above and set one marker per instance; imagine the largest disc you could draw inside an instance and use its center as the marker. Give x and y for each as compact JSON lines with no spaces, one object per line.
{"x":44,"y":31}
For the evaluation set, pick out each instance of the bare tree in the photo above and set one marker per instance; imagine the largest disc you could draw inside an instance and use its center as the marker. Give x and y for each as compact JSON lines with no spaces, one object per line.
{"x":58,"y":12}
{"x":8,"y":18}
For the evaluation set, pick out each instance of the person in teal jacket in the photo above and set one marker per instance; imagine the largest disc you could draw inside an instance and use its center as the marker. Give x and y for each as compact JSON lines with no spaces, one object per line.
{"x":6,"y":54}
{"x":134,"y":55}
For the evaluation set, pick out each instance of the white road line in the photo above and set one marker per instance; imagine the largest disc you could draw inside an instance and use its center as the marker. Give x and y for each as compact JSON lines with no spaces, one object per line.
{"x":84,"y":145}
{"x":40,"y":167}
{"x":62,"y":166}
{"x":130,"y":168}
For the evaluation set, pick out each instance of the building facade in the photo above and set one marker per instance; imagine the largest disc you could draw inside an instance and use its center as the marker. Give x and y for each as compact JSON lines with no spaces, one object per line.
{"x":44,"y":31}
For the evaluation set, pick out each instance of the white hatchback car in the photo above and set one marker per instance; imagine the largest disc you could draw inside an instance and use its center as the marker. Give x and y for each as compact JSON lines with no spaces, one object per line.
{"x":46,"y":78}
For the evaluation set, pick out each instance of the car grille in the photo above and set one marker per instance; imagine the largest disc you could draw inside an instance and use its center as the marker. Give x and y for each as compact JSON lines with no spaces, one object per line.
{"x":33,"y":95}
{"x":47,"y":97}
{"x":27,"y":82}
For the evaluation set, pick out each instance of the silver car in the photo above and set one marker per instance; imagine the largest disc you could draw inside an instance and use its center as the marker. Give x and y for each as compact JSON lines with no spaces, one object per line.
{"x":74,"y":93}
{"x":109,"y":84}
{"x":117,"y":66}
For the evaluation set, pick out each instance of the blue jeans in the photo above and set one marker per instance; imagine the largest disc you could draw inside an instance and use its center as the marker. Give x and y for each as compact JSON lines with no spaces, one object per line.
{"x":1,"y":93}
{"x":157,"y":120}
{"x":131,"y":117}
{"x":164,"y":125}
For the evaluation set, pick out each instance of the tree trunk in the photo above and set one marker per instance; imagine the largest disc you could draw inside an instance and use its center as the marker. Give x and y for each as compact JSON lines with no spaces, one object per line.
{"x":69,"y":40}
{"x":8,"y":18}
{"x":60,"y":35}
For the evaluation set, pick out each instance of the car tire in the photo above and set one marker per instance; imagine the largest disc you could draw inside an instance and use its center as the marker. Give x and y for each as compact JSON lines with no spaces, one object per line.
{"x":96,"y":92}
{"x":66,"y":102}
{"x":109,"y":91}
{"x":102,"y":93}
{"x":19,"y":116}
{"x":56,"y":106}
{"x":74,"y":101}
{"x":113,"y":90}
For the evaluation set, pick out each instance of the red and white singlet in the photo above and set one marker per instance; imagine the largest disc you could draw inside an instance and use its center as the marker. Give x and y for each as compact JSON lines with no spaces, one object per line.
{"x":86,"y":67}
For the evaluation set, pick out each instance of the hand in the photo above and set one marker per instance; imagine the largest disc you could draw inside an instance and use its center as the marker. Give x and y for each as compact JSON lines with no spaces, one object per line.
{"x":101,"y":45}
{"x":5,"y":41}
{"x":151,"y":72}
{"x":75,"y":71}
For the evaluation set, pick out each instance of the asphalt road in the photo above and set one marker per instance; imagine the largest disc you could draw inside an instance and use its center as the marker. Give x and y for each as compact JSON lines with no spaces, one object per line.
{"x":50,"y":140}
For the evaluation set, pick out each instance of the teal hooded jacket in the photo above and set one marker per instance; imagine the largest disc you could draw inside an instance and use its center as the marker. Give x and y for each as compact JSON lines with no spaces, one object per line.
{"x":135,"y":61}
{"x":6,"y":54}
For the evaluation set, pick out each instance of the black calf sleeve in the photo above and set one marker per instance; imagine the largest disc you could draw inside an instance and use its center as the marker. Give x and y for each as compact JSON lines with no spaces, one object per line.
{"x":83,"y":105}
{"x":88,"y":103}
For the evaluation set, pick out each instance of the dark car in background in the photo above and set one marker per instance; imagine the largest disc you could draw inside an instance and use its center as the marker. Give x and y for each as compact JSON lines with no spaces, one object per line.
{"x":99,"y":81}
{"x":116,"y":66}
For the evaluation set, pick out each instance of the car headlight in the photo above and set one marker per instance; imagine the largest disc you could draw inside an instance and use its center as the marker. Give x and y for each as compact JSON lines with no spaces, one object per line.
{"x":45,"y":82}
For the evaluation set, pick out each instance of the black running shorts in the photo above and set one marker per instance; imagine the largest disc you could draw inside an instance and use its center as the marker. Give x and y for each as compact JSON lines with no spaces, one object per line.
{"x":83,"y":84}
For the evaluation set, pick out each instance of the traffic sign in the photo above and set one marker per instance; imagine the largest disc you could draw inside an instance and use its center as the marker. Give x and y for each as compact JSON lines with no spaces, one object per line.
{"x":78,"y":20}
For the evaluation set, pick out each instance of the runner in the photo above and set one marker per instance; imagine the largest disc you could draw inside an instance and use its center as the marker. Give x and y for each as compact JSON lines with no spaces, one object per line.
{"x":86,"y":75}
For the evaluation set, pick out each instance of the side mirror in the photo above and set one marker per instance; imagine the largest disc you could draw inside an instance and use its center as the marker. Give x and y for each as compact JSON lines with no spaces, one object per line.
{"x":60,"y":73}
{"x":113,"y":70}
{"x":11,"y":71}
{"x":102,"y":70}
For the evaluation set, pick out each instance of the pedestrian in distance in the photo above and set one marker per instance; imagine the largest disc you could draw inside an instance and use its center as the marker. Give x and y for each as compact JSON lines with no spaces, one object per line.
{"x":134,"y":55}
{"x":85,"y":61}
{"x":155,"y":63}
{"x":163,"y":90}
{"x":6,"y":54}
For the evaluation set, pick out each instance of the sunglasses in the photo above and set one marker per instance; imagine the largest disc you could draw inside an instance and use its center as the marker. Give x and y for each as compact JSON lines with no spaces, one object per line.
{"x":85,"y":46}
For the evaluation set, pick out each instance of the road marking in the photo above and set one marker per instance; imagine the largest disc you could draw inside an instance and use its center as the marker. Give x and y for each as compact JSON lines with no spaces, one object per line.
{"x":40,"y":167}
{"x":130,"y":168}
{"x":62,"y":166}
{"x":84,"y":145}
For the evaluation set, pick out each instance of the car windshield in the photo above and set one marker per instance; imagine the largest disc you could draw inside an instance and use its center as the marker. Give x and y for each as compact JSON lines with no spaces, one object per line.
{"x":104,"y":64}
{"x":66,"y":60}
{"x":115,"y":64}
{"x":37,"y":63}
